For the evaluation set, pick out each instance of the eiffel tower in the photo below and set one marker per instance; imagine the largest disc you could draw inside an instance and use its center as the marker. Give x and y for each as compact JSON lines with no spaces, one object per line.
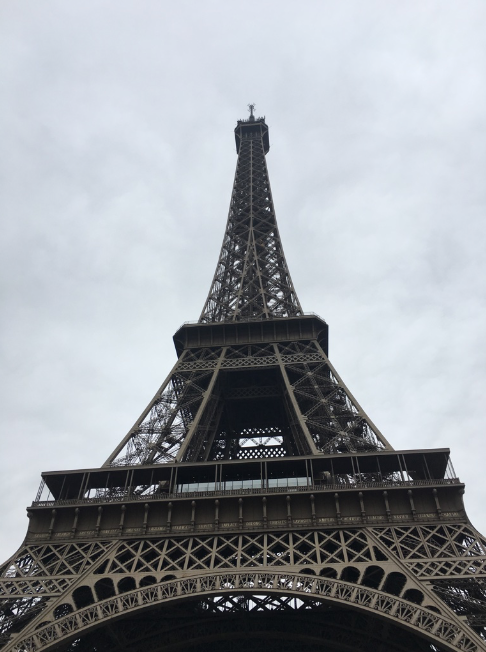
{"x":253,"y":505}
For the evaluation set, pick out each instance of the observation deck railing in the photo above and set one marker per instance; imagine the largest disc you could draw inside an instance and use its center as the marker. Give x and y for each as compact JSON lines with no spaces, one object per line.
{"x":133,"y":496}
{"x":194,"y":322}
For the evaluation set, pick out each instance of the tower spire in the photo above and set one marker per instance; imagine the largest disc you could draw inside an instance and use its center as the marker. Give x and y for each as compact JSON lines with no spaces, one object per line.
{"x":252,"y":280}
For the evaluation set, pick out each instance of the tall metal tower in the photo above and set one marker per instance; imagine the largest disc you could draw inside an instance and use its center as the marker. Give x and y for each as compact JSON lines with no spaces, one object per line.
{"x":253,"y":505}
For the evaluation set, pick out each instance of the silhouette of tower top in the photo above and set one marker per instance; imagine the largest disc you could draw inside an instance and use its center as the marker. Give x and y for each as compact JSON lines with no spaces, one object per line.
{"x":252,"y":279}
{"x":213,"y":406}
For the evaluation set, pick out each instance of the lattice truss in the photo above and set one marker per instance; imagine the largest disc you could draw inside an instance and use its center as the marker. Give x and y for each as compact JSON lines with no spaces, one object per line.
{"x":57,"y":579}
{"x":333,"y":418}
{"x":158,"y":434}
{"x":241,"y":551}
{"x":252,"y":280}
{"x":203,"y":412}
{"x":453,"y":557}
{"x":36,"y":575}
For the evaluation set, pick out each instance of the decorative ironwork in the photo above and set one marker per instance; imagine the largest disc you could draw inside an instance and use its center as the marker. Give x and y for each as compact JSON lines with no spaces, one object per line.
{"x":410,"y":616}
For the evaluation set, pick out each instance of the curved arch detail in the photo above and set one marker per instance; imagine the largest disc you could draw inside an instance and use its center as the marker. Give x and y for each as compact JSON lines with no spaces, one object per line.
{"x":422,"y":621}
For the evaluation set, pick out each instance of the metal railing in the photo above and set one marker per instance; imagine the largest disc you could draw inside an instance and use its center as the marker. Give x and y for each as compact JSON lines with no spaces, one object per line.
{"x":192,"y":322}
{"x":131,"y":496}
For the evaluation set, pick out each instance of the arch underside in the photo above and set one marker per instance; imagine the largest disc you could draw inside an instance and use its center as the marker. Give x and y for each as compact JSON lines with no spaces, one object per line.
{"x":260,"y":623}
{"x":234,"y":611}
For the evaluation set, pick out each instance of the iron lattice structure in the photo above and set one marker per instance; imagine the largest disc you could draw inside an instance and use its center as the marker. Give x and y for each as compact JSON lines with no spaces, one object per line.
{"x":252,"y":280}
{"x":253,"y":504}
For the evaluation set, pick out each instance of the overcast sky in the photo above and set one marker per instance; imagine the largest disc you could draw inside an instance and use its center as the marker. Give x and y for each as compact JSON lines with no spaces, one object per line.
{"x":118,"y":159}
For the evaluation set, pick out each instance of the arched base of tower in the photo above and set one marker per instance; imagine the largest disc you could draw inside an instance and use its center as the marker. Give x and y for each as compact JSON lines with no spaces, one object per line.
{"x":230,"y":611}
{"x":260,"y":623}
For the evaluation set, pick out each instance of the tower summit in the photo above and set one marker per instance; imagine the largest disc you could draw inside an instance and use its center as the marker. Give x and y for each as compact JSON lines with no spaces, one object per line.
{"x":252,"y":280}
{"x":253,"y":504}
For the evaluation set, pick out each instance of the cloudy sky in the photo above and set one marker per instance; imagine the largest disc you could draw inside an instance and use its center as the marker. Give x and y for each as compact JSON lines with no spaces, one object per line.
{"x":118,"y":159}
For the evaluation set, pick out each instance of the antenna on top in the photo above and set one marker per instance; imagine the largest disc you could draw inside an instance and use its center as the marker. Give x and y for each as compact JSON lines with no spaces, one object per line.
{"x":251,"y":108}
